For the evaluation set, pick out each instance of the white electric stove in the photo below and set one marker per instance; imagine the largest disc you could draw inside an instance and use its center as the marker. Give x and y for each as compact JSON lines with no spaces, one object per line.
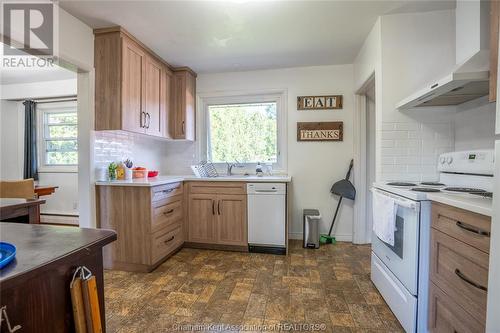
{"x":401,"y":272}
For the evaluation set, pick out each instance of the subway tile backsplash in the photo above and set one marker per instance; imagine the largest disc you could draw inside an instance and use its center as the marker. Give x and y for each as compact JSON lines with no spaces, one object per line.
{"x":115,"y":146}
{"x":410,"y":150}
{"x":112,"y":146}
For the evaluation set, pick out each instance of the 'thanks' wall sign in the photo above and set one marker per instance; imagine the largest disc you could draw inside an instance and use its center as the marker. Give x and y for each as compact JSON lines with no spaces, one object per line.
{"x":323,"y":131}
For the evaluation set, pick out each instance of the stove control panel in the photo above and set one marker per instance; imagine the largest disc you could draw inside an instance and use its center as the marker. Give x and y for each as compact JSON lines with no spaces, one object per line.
{"x":480,"y":162}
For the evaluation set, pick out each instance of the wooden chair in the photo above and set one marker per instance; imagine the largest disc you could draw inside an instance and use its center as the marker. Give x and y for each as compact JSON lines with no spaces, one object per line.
{"x":24,"y":189}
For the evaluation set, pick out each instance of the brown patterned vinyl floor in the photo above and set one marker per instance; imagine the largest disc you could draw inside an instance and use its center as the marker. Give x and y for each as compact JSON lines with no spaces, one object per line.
{"x":219,"y":291}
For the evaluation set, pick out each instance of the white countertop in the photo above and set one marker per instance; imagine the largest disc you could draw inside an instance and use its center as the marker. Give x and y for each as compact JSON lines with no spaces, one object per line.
{"x":161,"y":180}
{"x":473,"y":203}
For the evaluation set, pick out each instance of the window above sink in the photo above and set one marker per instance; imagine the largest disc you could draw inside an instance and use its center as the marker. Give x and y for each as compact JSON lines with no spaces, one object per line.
{"x":247,"y":128}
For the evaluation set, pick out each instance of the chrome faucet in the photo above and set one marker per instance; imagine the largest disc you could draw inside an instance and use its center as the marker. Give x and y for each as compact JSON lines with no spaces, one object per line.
{"x":230,"y":167}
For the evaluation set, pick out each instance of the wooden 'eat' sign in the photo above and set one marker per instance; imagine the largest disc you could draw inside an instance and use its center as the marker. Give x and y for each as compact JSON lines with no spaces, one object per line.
{"x":324,"y":131}
{"x":319,"y":102}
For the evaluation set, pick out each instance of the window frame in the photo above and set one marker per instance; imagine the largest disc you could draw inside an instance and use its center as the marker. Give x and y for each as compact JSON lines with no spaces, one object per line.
{"x":244,"y":97}
{"x":43,"y":109}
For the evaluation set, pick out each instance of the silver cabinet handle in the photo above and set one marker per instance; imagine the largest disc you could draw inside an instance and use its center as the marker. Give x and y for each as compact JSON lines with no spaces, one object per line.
{"x":469,"y":281}
{"x":183,"y":127}
{"x":141,"y":121}
{"x":149,"y":119}
{"x":473,"y":229}
{"x":4,"y":316}
{"x":169,"y":240}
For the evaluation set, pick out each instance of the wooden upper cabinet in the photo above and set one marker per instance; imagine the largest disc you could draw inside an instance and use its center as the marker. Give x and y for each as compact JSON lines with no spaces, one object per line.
{"x":494,"y":22}
{"x":183,"y":116}
{"x":155,"y":97}
{"x":134,"y":89}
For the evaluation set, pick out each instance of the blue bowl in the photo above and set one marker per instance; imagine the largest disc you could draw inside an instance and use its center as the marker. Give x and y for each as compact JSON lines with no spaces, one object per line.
{"x":7,"y":254}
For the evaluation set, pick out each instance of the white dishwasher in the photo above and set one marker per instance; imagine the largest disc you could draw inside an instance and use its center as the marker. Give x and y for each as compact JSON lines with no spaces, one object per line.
{"x":266,"y":217}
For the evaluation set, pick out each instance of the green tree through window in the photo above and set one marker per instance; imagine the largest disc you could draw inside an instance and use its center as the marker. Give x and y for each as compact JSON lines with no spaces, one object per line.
{"x":243,"y":132}
{"x":60,"y":136}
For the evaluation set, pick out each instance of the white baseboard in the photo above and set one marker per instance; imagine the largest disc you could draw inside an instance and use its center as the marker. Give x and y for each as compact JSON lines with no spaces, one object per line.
{"x":59,"y":219}
{"x":340,"y":238}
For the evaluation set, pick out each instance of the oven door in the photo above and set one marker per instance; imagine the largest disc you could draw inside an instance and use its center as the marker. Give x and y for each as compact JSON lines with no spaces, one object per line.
{"x":402,"y":258}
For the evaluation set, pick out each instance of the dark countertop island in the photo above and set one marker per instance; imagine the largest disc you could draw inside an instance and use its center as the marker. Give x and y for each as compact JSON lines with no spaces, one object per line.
{"x":35,"y":286}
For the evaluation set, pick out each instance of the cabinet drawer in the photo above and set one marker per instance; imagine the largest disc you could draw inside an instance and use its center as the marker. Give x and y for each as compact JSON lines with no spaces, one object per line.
{"x":217,"y":188}
{"x":167,"y":215}
{"x":165,"y":242}
{"x":471,"y":228}
{"x":446,"y":316}
{"x":461,"y":271}
{"x":166,"y":191}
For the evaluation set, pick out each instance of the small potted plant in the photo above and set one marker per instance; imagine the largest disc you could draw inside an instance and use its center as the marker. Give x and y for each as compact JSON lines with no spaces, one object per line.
{"x":112,"y":170}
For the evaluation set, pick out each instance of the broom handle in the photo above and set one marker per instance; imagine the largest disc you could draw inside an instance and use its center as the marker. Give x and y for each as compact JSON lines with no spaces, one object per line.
{"x":349,"y":172}
{"x":335,"y":216}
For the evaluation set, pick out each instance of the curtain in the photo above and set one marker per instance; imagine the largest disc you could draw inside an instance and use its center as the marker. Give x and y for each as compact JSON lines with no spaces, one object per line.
{"x":30,"y":152}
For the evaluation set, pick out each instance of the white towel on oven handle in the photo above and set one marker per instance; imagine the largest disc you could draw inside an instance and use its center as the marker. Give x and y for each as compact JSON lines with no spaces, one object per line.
{"x":384,"y":217}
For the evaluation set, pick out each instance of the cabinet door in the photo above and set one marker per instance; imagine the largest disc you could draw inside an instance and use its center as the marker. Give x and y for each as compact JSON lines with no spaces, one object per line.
{"x":189,"y":125}
{"x":154,"y":102}
{"x":201,"y":219}
{"x":232,"y":219}
{"x":179,"y":114}
{"x":184,"y":113}
{"x":133,"y":87}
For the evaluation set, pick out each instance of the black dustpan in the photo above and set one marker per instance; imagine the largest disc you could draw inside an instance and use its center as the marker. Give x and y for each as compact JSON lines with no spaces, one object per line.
{"x":344,"y":187}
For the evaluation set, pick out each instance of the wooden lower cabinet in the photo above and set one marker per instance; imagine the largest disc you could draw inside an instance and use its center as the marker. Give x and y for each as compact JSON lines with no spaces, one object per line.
{"x":217,"y":215}
{"x":459,"y":258}
{"x":232,"y":219}
{"x":446,"y":316}
{"x":202,"y":222}
{"x":148,"y":222}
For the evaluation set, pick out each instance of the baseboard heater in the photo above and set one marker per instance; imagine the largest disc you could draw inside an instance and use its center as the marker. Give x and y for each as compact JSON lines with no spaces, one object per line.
{"x":266,"y":249}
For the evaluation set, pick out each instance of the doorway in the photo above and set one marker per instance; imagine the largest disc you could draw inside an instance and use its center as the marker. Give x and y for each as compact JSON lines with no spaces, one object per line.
{"x":365,"y":157}
{"x":49,"y":94}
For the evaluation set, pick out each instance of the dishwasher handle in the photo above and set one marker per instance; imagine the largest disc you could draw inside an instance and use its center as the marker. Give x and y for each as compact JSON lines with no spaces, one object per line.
{"x":266,"y":188}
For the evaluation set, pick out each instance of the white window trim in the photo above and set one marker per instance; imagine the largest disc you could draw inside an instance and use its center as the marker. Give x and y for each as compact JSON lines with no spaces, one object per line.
{"x":41,"y":110}
{"x":278,"y":96}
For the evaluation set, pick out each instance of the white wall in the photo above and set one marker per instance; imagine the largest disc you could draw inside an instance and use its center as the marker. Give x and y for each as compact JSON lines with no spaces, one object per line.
{"x":475,"y":125}
{"x":407,"y":52}
{"x":34,"y":90}
{"x":11,"y":140}
{"x":314,"y":166}
{"x":417,"y":48}
{"x":76,"y":51}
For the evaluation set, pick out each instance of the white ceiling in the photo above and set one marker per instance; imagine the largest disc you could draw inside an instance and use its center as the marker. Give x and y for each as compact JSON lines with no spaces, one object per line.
{"x":215,"y":36}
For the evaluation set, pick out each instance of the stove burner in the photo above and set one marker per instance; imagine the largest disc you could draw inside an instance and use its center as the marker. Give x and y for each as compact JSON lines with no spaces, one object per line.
{"x":464,"y":190}
{"x":401,"y":184}
{"x":425,"y":189}
{"x":432,"y":184}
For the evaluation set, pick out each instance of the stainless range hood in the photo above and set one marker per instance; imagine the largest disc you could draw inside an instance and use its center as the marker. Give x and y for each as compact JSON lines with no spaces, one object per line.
{"x":469,"y":78}
{"x":454,"y":89}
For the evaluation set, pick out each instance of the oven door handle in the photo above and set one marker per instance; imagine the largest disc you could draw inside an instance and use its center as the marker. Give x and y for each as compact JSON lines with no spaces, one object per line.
{"x":400,"y":201}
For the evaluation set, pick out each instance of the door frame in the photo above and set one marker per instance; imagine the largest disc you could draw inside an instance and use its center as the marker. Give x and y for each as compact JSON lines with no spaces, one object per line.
{"x":359,"y":233}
